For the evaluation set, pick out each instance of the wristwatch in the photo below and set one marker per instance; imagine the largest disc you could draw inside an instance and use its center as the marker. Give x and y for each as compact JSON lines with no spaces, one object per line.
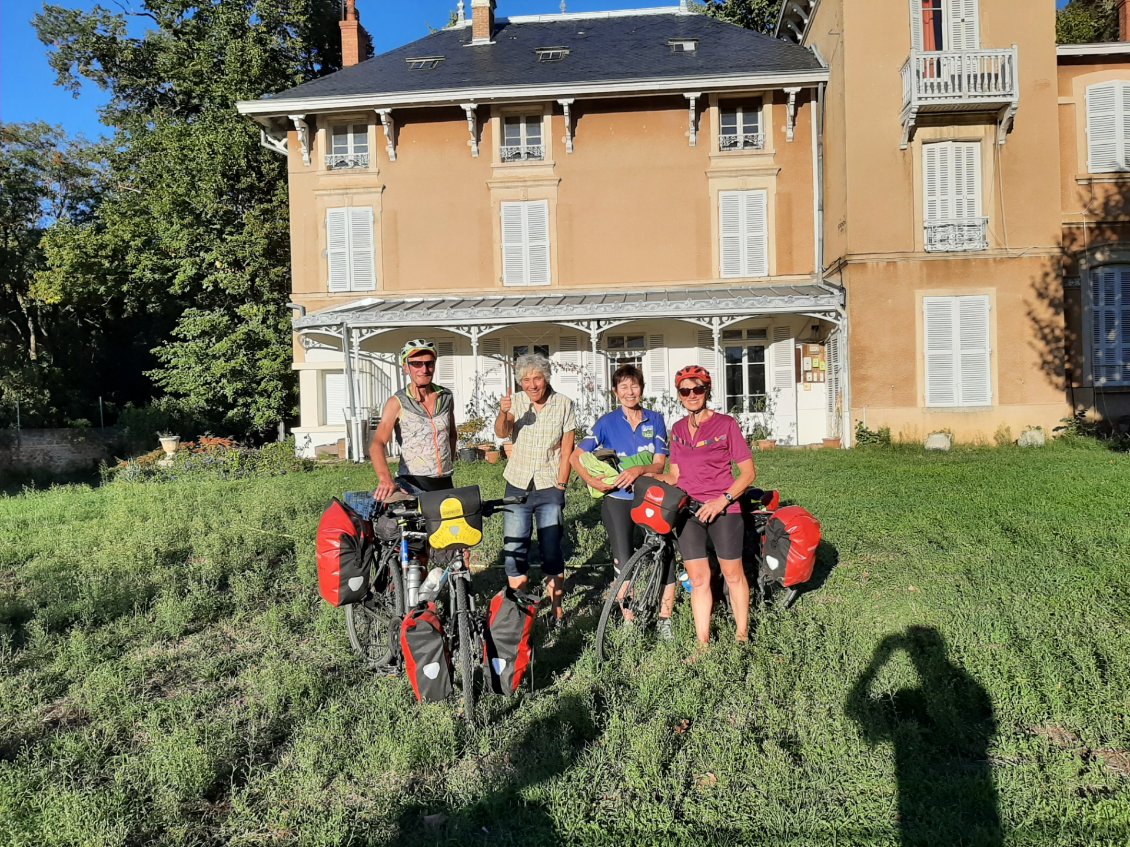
{"x":729,"y":497}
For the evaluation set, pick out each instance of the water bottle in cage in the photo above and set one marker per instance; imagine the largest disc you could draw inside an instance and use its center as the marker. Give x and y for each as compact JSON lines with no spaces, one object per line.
{"x":437,"y":578}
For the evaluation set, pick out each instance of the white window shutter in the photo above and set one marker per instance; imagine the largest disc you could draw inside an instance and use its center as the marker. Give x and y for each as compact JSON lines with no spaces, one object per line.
{"x":932,"y":176}
{"x":537,"y":243}
{"x":964,"y":31}
{"x":706,"y":355}
{"x":567,"y":375}
{"x":1123,"y":118}
{"x":915,"y":24}
{"x":362,"y":253}
{"x":1110,"y":326}
{"x":337,"y":249}
{"x":941,"y":370}
{"x":973,"y":344}
{"x":514,"y":245}
{"x":1123,"y":362}
{"x":445,"y":363}
{"x":730,"y":233}
{"x":1104,"y":138}
{"x":782,"y":353}
{"x":833,"y":364}
{"x":656,"y":373}
{"x":335,"y":397}
{"x":966,"y":181}
{"x":493,"y":368}
{"x":756,"y":234}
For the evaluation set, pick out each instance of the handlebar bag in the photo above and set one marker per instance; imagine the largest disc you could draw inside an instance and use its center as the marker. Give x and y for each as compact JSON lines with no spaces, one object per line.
{"x":345,"y":551}
{"x":426,"y":658}
{"x":453,"y":519}
{"x":656,"y":505}
{"x":509,"y":634}
{"x":788,"y":548}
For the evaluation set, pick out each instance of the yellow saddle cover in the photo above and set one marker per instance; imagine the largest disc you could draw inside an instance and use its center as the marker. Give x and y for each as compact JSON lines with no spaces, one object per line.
{"x":454,"y":530}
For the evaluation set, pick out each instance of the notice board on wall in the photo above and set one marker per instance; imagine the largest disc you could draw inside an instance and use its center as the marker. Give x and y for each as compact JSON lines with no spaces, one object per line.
{"x":811,"y":364}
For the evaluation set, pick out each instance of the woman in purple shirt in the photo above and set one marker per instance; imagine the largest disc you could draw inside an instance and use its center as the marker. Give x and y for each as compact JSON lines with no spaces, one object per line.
{"x":704,"y":444}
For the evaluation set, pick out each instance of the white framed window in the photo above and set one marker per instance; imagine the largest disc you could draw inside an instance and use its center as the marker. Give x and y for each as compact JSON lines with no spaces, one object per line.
{"x":958,"y":368}
{"x":624,"y":349}
{"x":525,"y":242}
{"x":739,"y":127}
{"x":951,"y":176}
{"x":743,"y":231}
{"x":349,"y":249}
{"x":521,"y":139}
{"x":1110,"y":325}
{"x":349,"y":147}
{"x":944,"y":25}
{"x":744,"y":352}
{"x":1108,"y":127}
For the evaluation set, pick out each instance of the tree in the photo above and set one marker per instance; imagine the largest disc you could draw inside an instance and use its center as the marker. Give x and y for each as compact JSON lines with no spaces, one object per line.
{"x":1087,"y":21}
{"x":760,"y":15}
{"x":45,"y":179}
{"x":192,"y":228}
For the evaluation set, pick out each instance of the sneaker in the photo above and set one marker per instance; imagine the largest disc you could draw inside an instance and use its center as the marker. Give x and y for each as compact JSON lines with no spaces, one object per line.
{"x":664,"y":630}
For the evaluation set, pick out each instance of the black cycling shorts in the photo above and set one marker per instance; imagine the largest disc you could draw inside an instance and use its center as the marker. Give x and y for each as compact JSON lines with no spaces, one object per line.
{"x":726,"y":532}
{"x":623,"y":535}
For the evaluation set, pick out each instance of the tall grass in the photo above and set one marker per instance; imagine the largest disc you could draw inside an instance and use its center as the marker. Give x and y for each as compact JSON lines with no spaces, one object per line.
{"x":169,"y":676}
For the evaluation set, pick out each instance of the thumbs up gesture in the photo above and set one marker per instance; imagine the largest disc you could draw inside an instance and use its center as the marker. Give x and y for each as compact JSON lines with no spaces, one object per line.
{"x":507,"y":401}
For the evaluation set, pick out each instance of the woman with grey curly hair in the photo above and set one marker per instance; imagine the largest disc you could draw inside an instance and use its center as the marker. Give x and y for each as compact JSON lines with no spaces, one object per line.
{"x":540,"y":423}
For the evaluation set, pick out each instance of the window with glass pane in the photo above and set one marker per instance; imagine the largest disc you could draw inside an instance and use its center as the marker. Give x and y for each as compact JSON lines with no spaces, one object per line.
{"x":932,"y":25}
{"x":349,"y":146}
{"x":521,"y":139}
{"x":522,"y":350}
{"x":745,"y":377}
{"x":739,"y":128}
{"x":624,"y":350}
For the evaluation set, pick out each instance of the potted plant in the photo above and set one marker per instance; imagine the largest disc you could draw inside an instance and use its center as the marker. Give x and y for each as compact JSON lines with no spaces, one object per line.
{"x":169,"y":442}
{"x":467,"y":437}
{"x":757,"y":425}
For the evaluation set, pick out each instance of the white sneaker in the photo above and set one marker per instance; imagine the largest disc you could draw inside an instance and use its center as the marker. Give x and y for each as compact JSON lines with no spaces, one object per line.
{"x":664,"y":630}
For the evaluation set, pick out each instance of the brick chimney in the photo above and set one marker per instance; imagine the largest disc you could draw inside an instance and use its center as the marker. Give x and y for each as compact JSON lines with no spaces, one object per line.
{"x":482,"y":21}
{"x":1123,"y":21}
{"x":356,"y":45}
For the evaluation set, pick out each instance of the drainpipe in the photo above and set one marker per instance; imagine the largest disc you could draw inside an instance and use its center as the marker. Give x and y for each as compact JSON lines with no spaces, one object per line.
{"x":352,"y":438}
{"x":295,"y":307}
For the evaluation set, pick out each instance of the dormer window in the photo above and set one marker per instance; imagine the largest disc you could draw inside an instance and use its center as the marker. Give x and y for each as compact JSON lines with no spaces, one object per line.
{"x":683,"y":45}
{"x":739,"y":127}
{"x":552,"y":54}
{"x":424,"y":63}
{"x":349,"y":147}
{"x":521,"y":139}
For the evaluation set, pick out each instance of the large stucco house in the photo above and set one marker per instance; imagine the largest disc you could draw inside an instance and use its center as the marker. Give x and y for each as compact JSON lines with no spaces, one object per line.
{"x":868,"y":218}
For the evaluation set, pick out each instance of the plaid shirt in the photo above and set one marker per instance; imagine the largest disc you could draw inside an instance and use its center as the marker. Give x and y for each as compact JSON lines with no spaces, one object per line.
{"x":537,"y":440}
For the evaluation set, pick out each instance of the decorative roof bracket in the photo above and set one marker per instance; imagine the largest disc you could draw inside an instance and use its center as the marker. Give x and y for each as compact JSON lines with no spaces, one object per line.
{"x":273,"y":141}
{"x":790,"y":127}
{"x":390,"y":132}
{"x":566,"y":103}
{"x":303,"y":128}
{"x":1004,"y":121}
{"x":472,"y":128}
{"x":909,"y":118}
{"x":692,"y":131}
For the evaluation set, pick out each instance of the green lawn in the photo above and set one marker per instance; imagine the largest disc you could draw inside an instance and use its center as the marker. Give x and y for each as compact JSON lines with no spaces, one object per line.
{"x":168,"y":675}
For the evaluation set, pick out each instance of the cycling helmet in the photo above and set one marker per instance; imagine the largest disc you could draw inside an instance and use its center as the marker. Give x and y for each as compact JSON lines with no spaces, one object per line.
{"x":693,"y":372}
{"x":418,"y":345}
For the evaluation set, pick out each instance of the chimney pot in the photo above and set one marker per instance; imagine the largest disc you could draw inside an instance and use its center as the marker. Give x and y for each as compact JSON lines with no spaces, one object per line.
{"x":355,"y":42}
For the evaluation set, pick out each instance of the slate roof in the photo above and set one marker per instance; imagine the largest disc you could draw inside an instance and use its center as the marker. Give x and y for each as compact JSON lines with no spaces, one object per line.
{"x":620,"y":48}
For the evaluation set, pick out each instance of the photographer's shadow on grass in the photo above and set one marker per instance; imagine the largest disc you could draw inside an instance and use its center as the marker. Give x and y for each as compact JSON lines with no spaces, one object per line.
{"x":941,"y":730}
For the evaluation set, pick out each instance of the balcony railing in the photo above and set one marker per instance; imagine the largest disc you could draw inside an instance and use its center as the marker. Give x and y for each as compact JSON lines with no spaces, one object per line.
{"x":960,"y":80}
{"x":522,"y":153}
{"x":957,"y":236}
{"x":343,"y":161}
{"x":746,"y":141}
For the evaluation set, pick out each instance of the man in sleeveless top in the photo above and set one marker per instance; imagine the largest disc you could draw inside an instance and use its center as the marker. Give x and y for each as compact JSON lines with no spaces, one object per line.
{"x":421,"y":417}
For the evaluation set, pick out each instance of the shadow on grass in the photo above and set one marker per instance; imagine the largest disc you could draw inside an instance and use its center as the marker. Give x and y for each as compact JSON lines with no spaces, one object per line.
{"x":12,"y":484}
{"x":546,"y":747}
{"x":941,"y":730}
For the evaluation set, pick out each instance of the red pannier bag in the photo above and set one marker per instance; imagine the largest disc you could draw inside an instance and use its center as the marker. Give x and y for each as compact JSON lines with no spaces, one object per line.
{"x":788,"y":549}
{"x":345,"y":555}
{"x":426,"y":658}
{"x":509,"y":632}
{"x":656,"y":505}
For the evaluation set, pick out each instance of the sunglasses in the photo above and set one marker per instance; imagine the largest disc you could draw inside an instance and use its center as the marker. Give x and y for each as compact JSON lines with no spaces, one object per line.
{"x":697,"y":391}
{"x":417,"y":364}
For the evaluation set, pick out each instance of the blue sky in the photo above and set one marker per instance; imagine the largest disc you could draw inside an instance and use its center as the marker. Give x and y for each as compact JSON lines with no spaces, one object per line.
{"x":28,"y":92}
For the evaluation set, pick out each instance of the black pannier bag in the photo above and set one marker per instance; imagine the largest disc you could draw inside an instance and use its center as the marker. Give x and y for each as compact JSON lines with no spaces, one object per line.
{"x":509,"y":652}
{"x":454,"y":518}
{"x":788,"y":552}
{"x":345,"y":555}
{"x":656,"y":505}
{"x":426,"y":659}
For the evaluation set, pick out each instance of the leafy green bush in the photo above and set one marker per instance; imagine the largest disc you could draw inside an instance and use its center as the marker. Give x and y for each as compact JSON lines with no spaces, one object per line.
{"x":211,"y":458}
{"x":142,"y":423}
{"x":865,"y":436}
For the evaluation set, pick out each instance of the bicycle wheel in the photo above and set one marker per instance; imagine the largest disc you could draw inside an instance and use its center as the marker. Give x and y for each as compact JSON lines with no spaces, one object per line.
{"x":643,"y":575}
{"x":373,"y":624}
{"x":465,"y":648}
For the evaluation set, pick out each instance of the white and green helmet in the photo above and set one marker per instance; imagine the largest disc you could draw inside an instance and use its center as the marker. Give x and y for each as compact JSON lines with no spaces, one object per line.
{"x":418,"y":345}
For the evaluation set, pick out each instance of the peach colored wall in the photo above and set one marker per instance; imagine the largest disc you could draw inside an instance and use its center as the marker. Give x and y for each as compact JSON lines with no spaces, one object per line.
{"x":633,"y":205}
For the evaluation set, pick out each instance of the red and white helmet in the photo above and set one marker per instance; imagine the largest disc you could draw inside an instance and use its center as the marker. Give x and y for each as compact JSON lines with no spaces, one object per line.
{"x":693,"y":372}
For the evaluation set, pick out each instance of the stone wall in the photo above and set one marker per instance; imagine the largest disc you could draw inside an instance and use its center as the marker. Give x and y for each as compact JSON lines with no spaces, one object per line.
{"x":56,"y":451}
